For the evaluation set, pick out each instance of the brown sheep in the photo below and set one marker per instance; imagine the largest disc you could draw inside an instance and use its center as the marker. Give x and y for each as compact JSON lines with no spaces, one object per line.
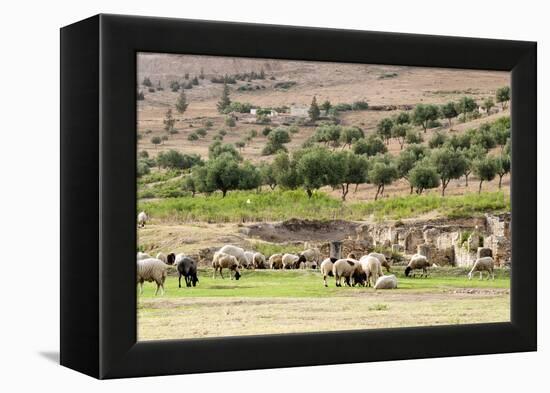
{"x":225,"y":261}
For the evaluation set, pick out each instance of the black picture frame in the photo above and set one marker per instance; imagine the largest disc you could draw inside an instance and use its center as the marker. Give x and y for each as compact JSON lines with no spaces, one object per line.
{"x":98,"y":196}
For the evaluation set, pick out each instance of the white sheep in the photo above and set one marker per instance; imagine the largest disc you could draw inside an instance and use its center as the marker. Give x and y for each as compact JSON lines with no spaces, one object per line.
{"x":150,"y":270}
{"x":311,"y":255}
{"x":418,"y":261}
{"x":237,"y":252}
{"x":276,"y":261}
{"x":258,"y":260}
{"x":485,"y":264}
{"x":290,"y":261}
{"x":142,"y":256}
{"x":386,"y":282}
{"x":382,"y":258}
{"x":142,"y":219}
{"x":350,"y":270}
{"x":372,"y":268}
{"x":161,"y":256}
{"x":326,"y":268}
{"x":249,"y":255}
{"x":222,"y":261}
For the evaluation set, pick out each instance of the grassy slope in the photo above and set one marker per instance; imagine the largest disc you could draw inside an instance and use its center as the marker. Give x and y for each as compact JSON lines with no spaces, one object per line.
{"x":281,"y":205}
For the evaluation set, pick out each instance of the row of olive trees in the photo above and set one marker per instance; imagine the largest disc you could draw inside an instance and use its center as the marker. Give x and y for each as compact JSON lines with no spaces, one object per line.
{"x":424,"y":167}
{"x":427,"y":115}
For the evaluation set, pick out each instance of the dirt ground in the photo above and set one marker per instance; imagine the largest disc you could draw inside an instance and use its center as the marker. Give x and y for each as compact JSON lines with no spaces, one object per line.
{"x":212,"y":317}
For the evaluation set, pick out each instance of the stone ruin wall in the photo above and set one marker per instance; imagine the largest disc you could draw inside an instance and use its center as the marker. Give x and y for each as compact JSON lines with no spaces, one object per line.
{"x":439,"y":240}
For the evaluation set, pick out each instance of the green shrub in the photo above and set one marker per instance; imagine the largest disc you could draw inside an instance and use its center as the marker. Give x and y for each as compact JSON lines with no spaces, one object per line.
{"x":192,"y":136}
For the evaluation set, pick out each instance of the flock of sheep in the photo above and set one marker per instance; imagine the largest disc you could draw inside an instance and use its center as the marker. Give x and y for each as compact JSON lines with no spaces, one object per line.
{"x":365,"y":271}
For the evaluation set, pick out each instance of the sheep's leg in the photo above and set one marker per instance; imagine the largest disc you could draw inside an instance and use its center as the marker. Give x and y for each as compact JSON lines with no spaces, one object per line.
{"x":493,"y":274}
{"x":157,"y":291}
{"x":141,"y":288}
{"x":179,"y":281}
{"x":221,"y":274}
{"x":480,"y":275}
{"x":325,"y":280}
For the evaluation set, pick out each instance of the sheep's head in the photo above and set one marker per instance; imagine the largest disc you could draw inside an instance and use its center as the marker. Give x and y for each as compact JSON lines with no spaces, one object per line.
{"x":170,"y":258}
{"x":194,"y":280}
{"x":408,"y":271}
{"x":237,"y":274}
{"x":301,"y":259}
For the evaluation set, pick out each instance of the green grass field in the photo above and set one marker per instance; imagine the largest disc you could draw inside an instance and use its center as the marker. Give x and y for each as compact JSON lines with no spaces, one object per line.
{"x":309,"y":283}
{"x":282,"y":205}
{"x":266,"y":301}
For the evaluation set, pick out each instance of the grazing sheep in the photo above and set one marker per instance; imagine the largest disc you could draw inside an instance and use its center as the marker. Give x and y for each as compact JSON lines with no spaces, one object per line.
{"x":350,"y":270}
{"x":142,"y":219}
{"x":258,"y":260}
{"x":485,"y":264}
{"x":311,"y":255}
{"x":418,"y":261}
{"x":326,"y":268}
{"x":276,"y":261}
{"x":161,"y":256}
{"x":249,"y":255}
{"x":382,"y":258}
{"x":292,"y":261}
{"x":141,"y":256}
{"x":225,"y":261}
{"x":150,"y":270}
{"x":237,"y":252}
{"x":171,"y":259}
{"x":372,"y":268}
{"x":351,"y":255}
{"x":386,"y":282}
{"x":187,"y":267}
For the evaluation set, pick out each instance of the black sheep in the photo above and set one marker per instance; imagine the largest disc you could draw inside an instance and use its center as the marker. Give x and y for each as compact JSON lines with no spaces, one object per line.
{"x":187,"y":267}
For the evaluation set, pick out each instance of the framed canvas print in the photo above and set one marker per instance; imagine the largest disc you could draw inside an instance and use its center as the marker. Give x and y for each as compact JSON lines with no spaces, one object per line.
{"x":240,"y":196}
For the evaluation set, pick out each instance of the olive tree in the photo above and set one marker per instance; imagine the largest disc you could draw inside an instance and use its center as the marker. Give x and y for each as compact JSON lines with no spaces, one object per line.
{"x":404,"y":162}
{"x":384,"y":129}
{"x":267,"y":175}
{"x":222,"y":173}
{"x":312,"y":169}
{"x":156,"y":140}
{"x":217,"y":148}
{"x":399,"y":132}
{"x":449,"y":111}
{"x":346,"y":168}
{"x":466,"y":105}
{"x":381,"y":173}
{"x":449,"y":164}
{"x":175,"y":160}
{"x":350,"y":135}
{"x":423,"y":114}
{"x":424,"y":176}
{"x":503,"y":96}
{"x":285,"y":172}
{"x":485,"y":169}
{"x":472,"y":154}
{"x":189,"y":185}
{"x":438,"y":139}
{"x":370,"y":146}
{"x":503,"y":166}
